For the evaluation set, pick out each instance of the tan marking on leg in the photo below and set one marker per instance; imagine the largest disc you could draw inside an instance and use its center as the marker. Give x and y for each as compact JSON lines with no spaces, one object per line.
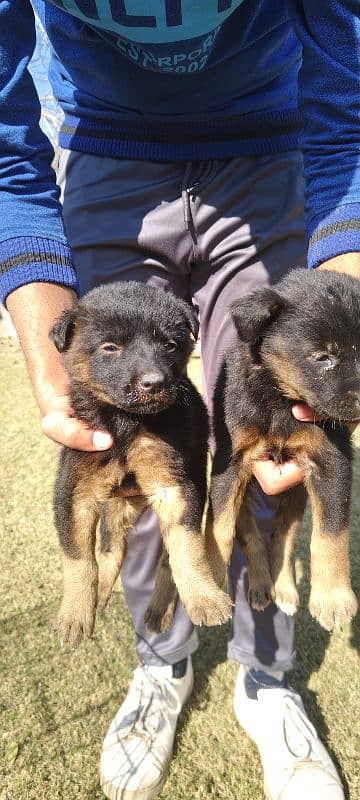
{"x":202,"y":598}
{"x":160,"y":612}
{"x":220,"y":531}
{"x":149,"y":458}
{"x":220,"y":536}
{"x":253,"y":546}
{"x":76,"y":617}
{"x":214,"y":555}
{"x":120,"y":515}
{"x":283,"y":545}
{"x":332,"y":601}
{"x":282,"y":550}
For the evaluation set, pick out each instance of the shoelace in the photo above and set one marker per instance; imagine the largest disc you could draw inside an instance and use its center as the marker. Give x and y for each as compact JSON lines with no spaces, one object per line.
{"x":147,"y":718}
{"x":298,"y":730}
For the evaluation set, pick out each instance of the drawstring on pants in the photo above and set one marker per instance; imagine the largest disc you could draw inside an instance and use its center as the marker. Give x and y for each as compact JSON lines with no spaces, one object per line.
{"x":206,"y":171}
{"x":186,"y":191}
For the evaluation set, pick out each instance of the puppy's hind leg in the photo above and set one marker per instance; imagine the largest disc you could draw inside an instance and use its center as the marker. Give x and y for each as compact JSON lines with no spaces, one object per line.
{"x":253,"y":546}
{"x":118,"y":517}
{"x":228,"y":487}
{"x":76,"y":516}
{"x":160,"y":612}
{"x":282,"y":549}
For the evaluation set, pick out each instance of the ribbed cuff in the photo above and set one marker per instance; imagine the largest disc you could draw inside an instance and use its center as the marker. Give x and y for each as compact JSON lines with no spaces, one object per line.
{"x":30,"y":259}
{"x":334,"y":233}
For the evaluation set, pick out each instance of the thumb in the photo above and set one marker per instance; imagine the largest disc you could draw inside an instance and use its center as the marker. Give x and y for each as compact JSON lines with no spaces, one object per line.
{"x":73,"y":433}
{"x":304,"y":413}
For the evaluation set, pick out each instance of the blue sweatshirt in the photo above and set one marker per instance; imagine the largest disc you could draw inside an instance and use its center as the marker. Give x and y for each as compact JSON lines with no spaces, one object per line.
{"x":179,"y":80}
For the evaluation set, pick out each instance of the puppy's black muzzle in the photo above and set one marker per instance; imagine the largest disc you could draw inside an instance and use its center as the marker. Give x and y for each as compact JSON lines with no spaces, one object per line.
{"x":151,"y":382}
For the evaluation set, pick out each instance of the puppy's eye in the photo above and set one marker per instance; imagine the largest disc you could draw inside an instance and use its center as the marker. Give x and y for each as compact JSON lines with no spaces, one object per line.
{"x":170,"y":346}
{"x":325,"y":359}
{"x":109,"y":347}
{"x":322,"y":357}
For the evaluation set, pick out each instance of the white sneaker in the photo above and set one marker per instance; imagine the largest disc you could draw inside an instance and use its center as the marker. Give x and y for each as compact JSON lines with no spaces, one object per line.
{"x":138,"y":746}
{"x":296,"y":764}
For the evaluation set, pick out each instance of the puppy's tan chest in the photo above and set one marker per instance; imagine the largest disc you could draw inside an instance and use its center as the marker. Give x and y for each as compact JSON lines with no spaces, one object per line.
{"x":147,"y":468}
{"x":149,"y":460}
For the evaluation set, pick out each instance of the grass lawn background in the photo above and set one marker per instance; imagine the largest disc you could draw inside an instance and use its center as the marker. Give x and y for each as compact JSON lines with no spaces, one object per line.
{"x":56,"y":705}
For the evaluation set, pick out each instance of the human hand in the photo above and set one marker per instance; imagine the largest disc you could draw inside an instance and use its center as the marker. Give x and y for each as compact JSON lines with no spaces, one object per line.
{"x":277,"y":478}
{"x":34,"y":309}
{"x":60,"y":424}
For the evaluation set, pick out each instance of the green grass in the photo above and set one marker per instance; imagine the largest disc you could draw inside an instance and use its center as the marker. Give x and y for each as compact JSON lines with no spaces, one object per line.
{"x":56,"y":705}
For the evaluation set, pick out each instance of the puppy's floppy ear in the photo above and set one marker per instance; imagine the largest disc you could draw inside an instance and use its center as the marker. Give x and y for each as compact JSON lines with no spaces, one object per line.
{"x":253,"y":313}
{"x":62,"y":332}
{"x":192,"y":319}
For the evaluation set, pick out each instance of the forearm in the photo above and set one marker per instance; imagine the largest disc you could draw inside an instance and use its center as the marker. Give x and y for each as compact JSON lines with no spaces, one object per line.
{"x":328,"y":99}
{"x":33,"y":243}
{"x":34,"y":308}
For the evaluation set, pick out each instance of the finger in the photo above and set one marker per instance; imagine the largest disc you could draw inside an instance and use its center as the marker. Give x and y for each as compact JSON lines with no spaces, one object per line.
{"x":73,"y":433}
{"x":274,"y":478}
{"x":303,"y":413}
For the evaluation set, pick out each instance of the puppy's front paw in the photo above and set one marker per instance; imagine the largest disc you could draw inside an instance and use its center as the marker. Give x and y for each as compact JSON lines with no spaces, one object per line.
{"x":76,"y":617}
{"x":333,"y":609}
{"x":75,"y":622}
{"x":157,"y":621}
{"x":210,"y":608}
{"x":286,"y":597}
{"x":260,"y":595}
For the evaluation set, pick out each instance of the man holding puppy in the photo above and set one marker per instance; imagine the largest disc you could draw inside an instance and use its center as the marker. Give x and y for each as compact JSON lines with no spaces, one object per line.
{"x":180,"y":166}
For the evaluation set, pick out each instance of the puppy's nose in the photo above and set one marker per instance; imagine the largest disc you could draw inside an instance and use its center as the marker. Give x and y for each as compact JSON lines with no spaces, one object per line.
{"x":152,"y":381}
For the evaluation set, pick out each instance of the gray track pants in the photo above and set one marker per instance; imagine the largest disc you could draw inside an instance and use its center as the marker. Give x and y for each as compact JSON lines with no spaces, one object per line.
{"x":208,"y":231}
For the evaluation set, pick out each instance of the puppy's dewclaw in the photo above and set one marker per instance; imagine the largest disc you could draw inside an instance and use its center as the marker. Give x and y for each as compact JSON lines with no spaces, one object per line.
{"x":126,"y":347}
{"x":298,"y":341}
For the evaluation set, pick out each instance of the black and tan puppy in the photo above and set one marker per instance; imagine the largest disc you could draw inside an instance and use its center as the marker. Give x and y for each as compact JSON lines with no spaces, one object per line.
{"x":126,"y":346}
{"x":297,"y":341}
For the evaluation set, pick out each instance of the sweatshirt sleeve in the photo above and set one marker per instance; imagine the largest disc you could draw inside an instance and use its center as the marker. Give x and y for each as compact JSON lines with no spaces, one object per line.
{"x":33,"y":245}
{"x":329,"y":99}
